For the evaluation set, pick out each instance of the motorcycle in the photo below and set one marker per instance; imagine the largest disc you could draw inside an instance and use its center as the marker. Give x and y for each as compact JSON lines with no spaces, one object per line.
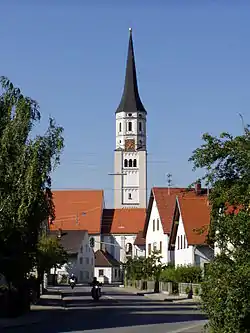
{"x":72,"y":283}
{"x":96,"y":292}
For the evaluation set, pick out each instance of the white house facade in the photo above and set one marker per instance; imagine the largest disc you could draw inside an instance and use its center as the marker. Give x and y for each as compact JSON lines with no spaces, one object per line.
{"x":81,"y":257}
{"x":187,"y":243}
{"x":156,"y":239}
{"x":107,"y":269}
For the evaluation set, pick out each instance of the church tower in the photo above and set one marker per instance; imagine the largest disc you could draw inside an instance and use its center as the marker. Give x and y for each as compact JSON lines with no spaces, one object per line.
{"x":130,"y":162}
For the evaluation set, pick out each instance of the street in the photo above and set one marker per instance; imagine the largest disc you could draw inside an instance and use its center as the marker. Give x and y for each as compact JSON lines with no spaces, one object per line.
{"x":117,"y":311}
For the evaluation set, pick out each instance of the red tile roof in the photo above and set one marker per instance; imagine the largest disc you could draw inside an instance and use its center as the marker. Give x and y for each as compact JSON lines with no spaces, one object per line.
{"x":195,"y":213}
{"x":123,"y":221}
{"x":105,"y":259}
{"x":70,"y":206}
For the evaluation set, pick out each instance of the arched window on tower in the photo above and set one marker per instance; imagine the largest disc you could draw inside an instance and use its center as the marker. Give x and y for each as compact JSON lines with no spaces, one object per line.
{"x":130,"y":126}
{"x":140,"y":126}
{"x":130,"y":163}
{"x":125,"y":163}
{"x":120,"y":127}
{"x":134,"y":163}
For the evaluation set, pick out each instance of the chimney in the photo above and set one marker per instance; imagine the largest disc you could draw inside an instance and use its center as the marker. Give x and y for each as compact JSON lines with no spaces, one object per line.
{"x":197,"y":187}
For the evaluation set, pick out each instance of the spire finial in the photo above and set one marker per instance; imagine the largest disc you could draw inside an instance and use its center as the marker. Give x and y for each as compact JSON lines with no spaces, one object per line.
{"x":130,"y":101}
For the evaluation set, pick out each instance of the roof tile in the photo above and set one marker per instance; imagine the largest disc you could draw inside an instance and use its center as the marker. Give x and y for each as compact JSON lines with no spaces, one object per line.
{"x":78,"y":210}
{"x":123,"y":221}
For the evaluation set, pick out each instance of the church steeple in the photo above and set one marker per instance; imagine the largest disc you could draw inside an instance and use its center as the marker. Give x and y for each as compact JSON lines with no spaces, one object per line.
{"x":130,"y":101}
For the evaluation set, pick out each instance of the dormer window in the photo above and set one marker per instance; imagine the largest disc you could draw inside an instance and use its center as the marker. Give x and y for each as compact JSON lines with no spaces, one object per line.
{"x":130,"y":114}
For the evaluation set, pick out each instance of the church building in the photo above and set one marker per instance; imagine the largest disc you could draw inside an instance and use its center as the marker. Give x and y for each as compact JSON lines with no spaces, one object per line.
{"x":130,"y":162}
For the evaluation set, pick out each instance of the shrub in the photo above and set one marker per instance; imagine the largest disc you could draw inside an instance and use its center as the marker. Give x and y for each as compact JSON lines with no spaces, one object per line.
{"x":182,"y":274}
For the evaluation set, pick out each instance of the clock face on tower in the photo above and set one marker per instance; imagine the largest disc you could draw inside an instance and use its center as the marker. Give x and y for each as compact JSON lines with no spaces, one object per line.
{"x":129,"y":144}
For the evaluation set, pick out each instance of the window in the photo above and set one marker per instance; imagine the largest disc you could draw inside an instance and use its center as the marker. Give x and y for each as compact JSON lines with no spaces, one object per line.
{"x":115,"y":273}
{"x":160,"y":247}
{"x":87,"y":261}
{"x":120,"y":127}
{"x":81,"y":261}
{"x":130,"y":196}
{"x":81,"y":249}
{"x":181,"y":242}
{"x":101,"y":273}
{"x":130,"y":114}
{"x":149,"y":249}
{"x":153,"y":225}
{"x":130,"y":163}
{"x":130,"y":126}
{"x":134,"y":163}
{"x":87,"y":248}
{"x":158,"y":224}
{"x":140,"y":115}
{"x":125,"y":163}
{"x":178,"y":241}
{"x":140,"y":126}
{"x":184,"y":242}
{"x":155,"y":247}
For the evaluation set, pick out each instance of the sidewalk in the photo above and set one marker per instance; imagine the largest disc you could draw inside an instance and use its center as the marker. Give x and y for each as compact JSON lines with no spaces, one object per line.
{"x":160,"y":296}
{"x":38,"y":313}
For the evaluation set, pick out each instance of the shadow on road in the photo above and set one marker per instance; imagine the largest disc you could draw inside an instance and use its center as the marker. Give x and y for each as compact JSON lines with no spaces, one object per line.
{"x":85,"y":314}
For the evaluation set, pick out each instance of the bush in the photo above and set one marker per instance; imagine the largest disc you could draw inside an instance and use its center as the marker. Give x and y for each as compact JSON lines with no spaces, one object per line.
{"x":182,"y":274}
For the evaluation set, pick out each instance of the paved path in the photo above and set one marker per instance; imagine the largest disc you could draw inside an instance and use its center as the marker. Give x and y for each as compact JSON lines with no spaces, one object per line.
{"x":116,"y":312}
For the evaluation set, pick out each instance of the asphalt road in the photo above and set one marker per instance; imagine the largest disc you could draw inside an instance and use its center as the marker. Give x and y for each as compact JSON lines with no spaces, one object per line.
{"x":116,"y":312}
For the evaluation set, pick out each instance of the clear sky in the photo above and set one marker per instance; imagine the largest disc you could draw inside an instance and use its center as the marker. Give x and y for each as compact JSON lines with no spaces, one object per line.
{"x":193,"y":64}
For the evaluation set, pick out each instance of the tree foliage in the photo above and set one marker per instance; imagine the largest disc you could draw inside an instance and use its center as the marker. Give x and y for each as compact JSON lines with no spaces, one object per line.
{"x":144,"y":268}
{"x":182,"y":274}
{"x":26,"y":164}
{"x":226,"y":290}
{"x":50,"y":253}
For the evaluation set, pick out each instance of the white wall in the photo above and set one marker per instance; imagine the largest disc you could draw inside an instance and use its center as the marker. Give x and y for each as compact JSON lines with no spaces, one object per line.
{"x":135,"y":118}
{"x":130,"y":190}
{"x":118,"y":250}
{"x":110,"y":274}
{"x":82,"y":265}
{"x":184,"y":255}
{"x":139,"y":251}
{"x":156,"y":236}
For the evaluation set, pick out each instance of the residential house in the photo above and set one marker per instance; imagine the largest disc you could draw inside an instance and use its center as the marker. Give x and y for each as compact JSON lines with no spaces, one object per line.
{"x":189,"y":230}
{"x":107,"y":268}
{"x":79,"y":210}
{"x":159,"y":219}
{"x":120,"y":228}
{"x":81,"y":256}
{"x":140,"y":245}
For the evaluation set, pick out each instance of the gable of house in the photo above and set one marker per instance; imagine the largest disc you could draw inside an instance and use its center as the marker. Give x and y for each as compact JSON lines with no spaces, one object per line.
{"x":191,"y":221}
{"x":162,"y":200}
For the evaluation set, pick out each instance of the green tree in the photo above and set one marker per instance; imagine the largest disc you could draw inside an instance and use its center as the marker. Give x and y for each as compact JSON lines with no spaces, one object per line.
{"x":26,"y":163}
{"x":50,"y":253}
{"x":226,"y":289}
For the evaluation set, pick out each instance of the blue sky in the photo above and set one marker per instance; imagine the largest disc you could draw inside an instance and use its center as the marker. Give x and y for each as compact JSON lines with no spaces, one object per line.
{"x":193,"y":64}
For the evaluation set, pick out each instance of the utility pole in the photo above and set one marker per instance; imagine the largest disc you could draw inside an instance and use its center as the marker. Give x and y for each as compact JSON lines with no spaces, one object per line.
{"x":169,"y":181}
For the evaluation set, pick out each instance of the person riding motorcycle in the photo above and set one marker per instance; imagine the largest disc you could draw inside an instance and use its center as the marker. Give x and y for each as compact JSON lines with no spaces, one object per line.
{"x":95,"y":282}
{"x":72,"y":278}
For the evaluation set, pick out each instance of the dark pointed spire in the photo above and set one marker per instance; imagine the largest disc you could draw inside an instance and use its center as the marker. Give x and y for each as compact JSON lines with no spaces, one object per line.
{"x":130,"y":101}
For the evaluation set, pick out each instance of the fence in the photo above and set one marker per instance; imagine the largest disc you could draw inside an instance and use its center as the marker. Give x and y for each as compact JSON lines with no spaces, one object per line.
{"x":169,"y":288}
